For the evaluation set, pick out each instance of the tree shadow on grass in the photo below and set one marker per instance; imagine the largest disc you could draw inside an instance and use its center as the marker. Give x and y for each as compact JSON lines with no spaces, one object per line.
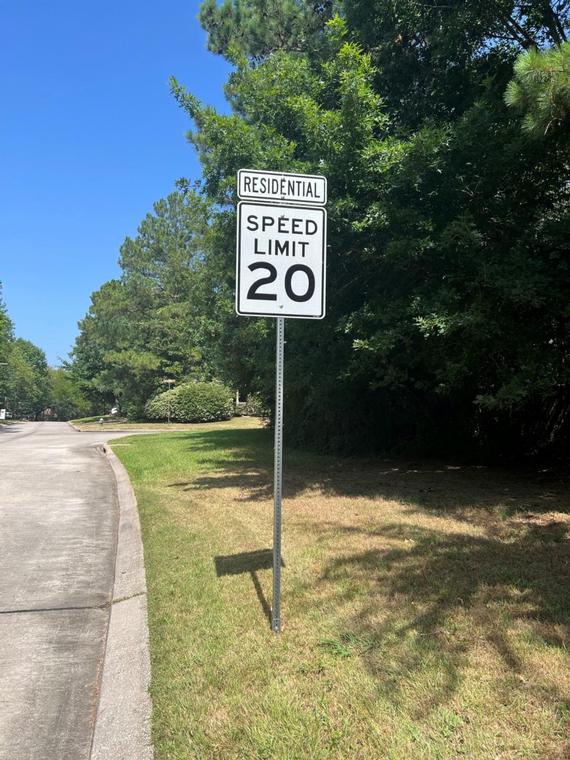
{"x":435,"y":486}
{"x":256,"y":485}
{"x":437,"y":597}
{"x":239,"y":465}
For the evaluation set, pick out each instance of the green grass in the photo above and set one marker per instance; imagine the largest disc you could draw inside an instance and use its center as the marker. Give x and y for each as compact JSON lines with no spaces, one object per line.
{"x":425,"y":607}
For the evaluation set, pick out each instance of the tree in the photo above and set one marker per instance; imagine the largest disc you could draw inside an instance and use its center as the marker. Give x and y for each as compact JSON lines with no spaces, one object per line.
{"x":28,"y":387}
{"x":66,"y":400}
{"x":6,"y":338}
{"x":434,"y":58}
{"x":447,"y":306}
{"x":540,"y":89}
{"x":154,"y":322}
{"x":24,"y":378}
{"x":447,"y":323}
{"x":261,"y":27}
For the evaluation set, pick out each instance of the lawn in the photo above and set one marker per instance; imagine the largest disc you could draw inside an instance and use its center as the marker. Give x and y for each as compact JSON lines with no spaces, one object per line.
{"x":425,"y":605}
{"x":109,"y":424}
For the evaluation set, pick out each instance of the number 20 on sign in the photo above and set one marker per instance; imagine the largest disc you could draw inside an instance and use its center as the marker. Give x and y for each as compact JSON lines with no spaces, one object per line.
{"x":281,"y":261}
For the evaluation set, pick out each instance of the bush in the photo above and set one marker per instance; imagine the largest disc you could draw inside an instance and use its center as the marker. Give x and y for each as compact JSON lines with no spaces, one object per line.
{"x":192,"y":402}
{"x":253,"y":407}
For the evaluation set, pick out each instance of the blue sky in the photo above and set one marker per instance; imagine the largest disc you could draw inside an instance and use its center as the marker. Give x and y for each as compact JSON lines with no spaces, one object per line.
{"x":90,"y":137}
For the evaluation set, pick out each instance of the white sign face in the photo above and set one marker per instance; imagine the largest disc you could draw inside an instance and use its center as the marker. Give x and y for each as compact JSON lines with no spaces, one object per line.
{"x":281,"y":252}
{"x":301,"y":189}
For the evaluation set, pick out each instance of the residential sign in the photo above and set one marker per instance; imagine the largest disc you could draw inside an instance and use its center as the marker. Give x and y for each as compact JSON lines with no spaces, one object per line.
{"x":278,"y":187}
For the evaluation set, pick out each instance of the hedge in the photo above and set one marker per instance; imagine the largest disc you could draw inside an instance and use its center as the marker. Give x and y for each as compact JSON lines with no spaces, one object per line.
{"x":192,"y":402}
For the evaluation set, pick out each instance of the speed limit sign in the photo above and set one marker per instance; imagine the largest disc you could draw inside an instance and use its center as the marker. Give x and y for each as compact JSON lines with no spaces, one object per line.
{"x":280,"y":272}
{"x":281,"y":261}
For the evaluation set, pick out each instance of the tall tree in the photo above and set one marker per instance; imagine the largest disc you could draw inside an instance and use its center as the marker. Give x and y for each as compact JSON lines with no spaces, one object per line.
{"x":434,"y":59}
{"x":154,"y":322}
{"x":28,"y":384}
{"x":448,"y":258}
{"x":261,"y":27}
{"x":66,"y":400}
{"x":6,"y":338}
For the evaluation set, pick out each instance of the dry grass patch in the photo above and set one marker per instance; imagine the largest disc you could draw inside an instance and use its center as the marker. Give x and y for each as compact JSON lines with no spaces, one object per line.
{"x":425,"y":606}
{"x":236,"y":423}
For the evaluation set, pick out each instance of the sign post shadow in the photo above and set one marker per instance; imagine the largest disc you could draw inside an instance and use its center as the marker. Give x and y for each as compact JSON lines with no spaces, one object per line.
{"x":252,"y":563}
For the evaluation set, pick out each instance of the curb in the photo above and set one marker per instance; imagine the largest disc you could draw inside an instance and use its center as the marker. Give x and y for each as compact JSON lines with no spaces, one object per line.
{"x":130,"y":431}
{"x":122,"y":726}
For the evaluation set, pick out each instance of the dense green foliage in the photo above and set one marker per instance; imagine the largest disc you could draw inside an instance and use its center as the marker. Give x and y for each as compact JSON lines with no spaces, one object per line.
{"x":159,"y":319}
{"x":24,"y":380}
{"x":6,"y":338}
{"x":540,"y":89}
{"x":66,"y":400}
{"x":192,"y":402}
{"x":448,"y":258}
{"x":28,"y":387}
{"x":446,"y":149}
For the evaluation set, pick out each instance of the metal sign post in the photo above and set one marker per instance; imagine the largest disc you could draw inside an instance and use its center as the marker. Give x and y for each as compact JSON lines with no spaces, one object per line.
{"x":278,"y":477}
{"x":280,"y":272}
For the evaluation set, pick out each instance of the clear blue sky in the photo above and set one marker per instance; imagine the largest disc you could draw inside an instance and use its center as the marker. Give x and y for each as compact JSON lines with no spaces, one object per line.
{"x":90,"y":137}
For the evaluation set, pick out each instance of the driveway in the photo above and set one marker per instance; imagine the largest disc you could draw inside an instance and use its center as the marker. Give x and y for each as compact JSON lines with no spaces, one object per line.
{"x":58,"y":535}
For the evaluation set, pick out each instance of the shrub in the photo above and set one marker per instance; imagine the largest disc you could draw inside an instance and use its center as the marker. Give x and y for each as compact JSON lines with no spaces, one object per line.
{"x":192,"y":402}
{"x":253,"y":407}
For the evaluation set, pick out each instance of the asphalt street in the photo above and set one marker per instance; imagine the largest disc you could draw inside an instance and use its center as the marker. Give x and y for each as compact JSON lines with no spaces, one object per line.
{"x":58,"y":534}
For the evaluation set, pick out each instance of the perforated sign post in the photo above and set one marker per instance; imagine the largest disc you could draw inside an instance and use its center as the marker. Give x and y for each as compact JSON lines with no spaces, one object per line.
{"x":280,"y":272}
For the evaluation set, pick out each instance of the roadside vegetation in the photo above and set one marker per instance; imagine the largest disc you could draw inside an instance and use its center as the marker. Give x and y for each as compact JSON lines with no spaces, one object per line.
{"x":29,"y":389}
{"x":425,"y":604}
{"x":112,"y":423}
{"x":443,"y":131}
{"x":192,"y":402}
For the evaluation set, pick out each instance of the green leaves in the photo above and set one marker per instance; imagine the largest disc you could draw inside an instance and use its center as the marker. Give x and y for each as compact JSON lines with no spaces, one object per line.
{"x":192,"y":402}
{"x":448,"y":247}
{"x":27,"y":387}
{"x":24,"y":381}
{"x":258,"y":28}
{"x":540,"y":89}
{"x":156,"y":319}
{"x":434,"y":205}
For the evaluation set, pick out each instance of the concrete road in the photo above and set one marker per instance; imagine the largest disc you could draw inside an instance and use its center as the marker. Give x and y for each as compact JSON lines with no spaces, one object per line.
{"x":58,"y":534}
